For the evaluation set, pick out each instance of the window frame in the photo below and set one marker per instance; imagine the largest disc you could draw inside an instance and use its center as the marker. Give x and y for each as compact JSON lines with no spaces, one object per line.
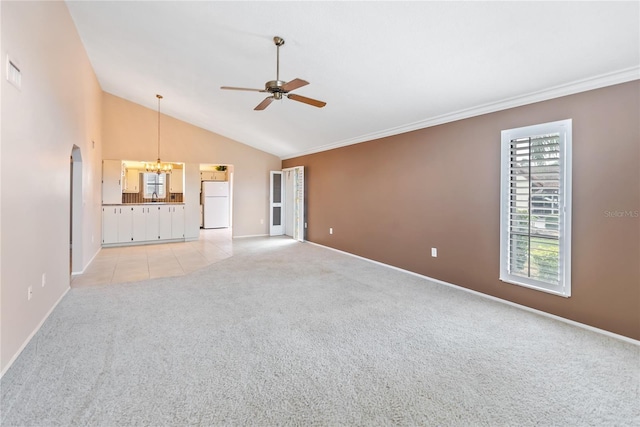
{"x":564,"y":129}
{"x":163,"y":185}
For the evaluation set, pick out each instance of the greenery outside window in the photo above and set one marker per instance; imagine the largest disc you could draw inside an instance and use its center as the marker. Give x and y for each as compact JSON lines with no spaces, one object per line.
{"x":535,"y":215}
{"x":155,"y":185}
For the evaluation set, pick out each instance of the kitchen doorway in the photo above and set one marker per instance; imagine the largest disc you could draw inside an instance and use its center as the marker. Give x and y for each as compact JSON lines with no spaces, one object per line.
{"x":75,"y":212}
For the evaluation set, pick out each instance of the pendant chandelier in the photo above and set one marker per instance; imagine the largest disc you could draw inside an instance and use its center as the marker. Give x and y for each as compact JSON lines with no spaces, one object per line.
{"x":158,"y":167}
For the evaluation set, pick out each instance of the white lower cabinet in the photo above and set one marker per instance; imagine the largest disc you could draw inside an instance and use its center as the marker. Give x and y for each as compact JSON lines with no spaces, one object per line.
{"x":109,"y":224}
{"x":152,"y":223}
{"x":142,"y":223}
{"x":116,"y":224}
{"x":139,"y":223}
{"x":165,"y":222}
{"x":177,"y":221}
{"x":125,"y":230}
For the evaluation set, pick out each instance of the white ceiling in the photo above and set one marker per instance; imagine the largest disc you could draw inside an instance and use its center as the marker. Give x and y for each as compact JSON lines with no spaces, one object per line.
{"x":382,"y":67}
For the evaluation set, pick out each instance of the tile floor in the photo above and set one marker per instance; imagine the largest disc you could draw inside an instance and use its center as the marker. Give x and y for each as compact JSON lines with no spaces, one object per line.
{"x":134,"y":263}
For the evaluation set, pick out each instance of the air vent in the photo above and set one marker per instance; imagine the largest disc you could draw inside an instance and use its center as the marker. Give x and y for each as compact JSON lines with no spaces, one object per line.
{"x":14,"y":76}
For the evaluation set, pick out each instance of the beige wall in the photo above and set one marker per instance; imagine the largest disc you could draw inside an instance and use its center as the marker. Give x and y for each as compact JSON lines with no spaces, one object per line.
{"x":130,"y":132}
{"x":58,"y":107}
{"x":393,"y":199}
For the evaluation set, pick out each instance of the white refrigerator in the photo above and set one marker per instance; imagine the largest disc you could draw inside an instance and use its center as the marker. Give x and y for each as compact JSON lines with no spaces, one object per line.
{"x":215,"y":204}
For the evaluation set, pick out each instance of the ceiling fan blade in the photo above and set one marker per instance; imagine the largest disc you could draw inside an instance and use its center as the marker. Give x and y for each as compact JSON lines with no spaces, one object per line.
{"x":264,"y":104}
{"x":306,"y":100}
{"x":242,"y":88}
{"x":294,"y":84}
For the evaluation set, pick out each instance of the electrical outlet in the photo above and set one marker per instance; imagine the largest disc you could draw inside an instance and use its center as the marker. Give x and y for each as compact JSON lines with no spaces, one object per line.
{"x":29,"y":293}
{"x":330,"y":230}
{"x":44,"y":279}
{"x":305,"y":225}
{"x":434,"y":252}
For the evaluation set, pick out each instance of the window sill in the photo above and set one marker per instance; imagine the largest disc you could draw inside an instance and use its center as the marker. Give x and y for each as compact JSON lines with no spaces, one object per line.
{"x":535,"y":287}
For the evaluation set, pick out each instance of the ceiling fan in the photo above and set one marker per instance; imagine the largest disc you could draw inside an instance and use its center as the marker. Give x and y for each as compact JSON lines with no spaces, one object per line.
{"x":277,"y":88}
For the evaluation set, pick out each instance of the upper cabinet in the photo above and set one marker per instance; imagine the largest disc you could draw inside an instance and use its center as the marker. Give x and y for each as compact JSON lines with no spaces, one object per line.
{"x":111,"y":182}
{"x":206,"y":175}
{"x":220,"y":175}
{"x":213,"y":175}
{"x":131,"y":181}
{"x":176,"y":181}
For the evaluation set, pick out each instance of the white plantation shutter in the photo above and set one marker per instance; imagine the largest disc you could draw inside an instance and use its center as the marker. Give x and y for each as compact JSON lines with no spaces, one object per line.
{"x":155,"y":183}
{"x":536,"y":203}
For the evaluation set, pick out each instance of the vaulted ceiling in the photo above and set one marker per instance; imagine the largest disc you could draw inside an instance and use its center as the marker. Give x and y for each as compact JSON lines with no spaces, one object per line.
{"x":382,"y":67}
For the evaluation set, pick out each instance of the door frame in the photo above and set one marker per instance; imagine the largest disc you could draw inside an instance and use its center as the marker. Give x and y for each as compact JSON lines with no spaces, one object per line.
{"x":75,"y":213}
{"x":276,"y":198}
{"x":297,"y":198}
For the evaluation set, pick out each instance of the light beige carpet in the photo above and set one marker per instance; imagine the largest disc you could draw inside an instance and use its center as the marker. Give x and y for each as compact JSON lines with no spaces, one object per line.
{"x":287,"y":333}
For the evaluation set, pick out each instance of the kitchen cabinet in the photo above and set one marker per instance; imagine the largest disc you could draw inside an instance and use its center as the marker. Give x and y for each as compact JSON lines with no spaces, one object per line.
{"x":177,"y":221}
{"x":117,"y":225}
{"x":109,"y":224}
{"x":139,"y":223}
{"x":213,"y":175}
{"x":206,"y":175}
{"x":176,"y":181}
{"x":152,"y":223}
{"x":220,"y":175}
{"x":165,"y":222}
{"x":111,"y":182}
{"x":125,"y":224}
{"x":142,"y":223}
{"x":131,"y":181}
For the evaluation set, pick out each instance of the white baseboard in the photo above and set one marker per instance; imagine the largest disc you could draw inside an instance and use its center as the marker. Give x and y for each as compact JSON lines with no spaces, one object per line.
{"x":491,"y":297}
{"x":32,"y":334}
{"x":76,"y":273}
{"x":250,"y":235}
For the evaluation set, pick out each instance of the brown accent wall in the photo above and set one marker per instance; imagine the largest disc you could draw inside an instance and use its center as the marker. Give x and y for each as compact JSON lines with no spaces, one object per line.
{"x":393,"y":199}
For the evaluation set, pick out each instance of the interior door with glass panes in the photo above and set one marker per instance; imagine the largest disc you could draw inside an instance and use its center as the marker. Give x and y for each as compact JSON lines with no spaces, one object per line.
{"x":276,"y":211}
{"x":287,"y":203}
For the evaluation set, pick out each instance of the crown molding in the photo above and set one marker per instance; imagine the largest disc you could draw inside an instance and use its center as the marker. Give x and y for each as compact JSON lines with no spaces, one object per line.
{"x":591,"y":83}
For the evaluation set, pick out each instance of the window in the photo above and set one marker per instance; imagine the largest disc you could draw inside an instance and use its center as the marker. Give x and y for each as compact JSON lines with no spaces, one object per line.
{"x":154,"y":185}
{"x":535,"y":214}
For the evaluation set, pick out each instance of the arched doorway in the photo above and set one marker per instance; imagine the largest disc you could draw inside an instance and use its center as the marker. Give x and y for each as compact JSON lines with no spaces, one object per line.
{"x":75,"y":212}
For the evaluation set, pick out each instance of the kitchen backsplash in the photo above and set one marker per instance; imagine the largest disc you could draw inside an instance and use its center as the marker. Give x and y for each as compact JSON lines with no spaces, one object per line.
{"x":138,"y":198}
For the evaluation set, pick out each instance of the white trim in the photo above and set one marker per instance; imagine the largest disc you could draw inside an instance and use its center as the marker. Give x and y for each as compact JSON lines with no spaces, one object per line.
{"x":299,"y":229}
{"x":76,"y":273}
{"x":491,"y":297}
{"x":564,"y":129}
{"x":250,"y":235}
{"x":32,"y":334}
{"x":597,"y":82}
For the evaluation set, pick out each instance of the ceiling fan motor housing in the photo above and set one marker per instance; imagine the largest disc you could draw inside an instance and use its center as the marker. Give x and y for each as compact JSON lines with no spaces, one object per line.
{"x":274,"y":86}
